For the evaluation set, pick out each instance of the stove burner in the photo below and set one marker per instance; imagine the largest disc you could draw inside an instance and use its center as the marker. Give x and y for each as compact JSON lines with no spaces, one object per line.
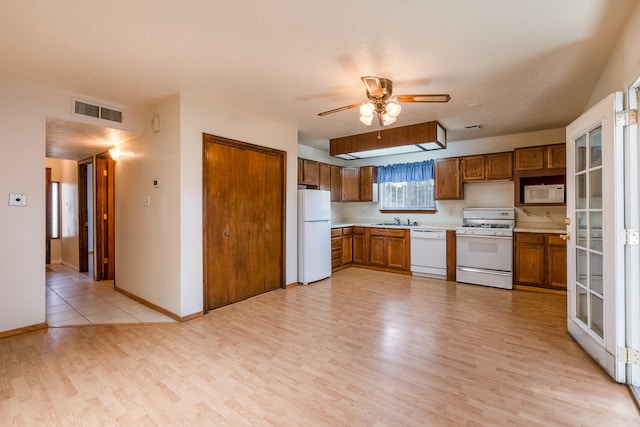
{"x":487,"y":225}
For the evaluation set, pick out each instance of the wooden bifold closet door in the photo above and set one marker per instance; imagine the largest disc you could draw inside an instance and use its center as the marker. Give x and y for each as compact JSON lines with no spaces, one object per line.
{"x":243,"y":220}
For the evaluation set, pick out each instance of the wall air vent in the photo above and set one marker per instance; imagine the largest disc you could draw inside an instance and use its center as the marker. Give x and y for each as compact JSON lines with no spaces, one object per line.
{"x":87,"y":109}
{"x":109,"y":114}
{"x":97,"y":111}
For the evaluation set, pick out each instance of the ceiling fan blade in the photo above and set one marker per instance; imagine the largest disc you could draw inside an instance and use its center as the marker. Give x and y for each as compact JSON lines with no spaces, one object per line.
{"x":373,"y":85}
{"x":346,"y":107}
{"x":422,"y":98}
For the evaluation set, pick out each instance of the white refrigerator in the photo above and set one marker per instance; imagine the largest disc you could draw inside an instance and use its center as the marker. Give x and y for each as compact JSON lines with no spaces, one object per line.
{"x":314,"y":235}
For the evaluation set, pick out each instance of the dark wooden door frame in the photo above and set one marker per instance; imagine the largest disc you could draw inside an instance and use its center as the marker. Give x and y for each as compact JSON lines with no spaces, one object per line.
{"x":83,"y":214}
{"x":48,"y":216}
{"x":207,"y":139}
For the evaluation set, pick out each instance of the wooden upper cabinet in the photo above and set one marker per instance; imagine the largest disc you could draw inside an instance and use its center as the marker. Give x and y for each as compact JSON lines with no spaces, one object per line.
{"x":473,"y":168}
{"x":300,"y":170}
{"x":540,"y":157}
{"x":324,"y":177}
{"x":336,"y":183}
{"x":350,"y":184}
{"x":556,"y":156}
{"x":310,"y":172}
{"x":529,"y":158}
{"x":367,"y":176}
{"x":500,"y":165}
{"x":448,"y":182}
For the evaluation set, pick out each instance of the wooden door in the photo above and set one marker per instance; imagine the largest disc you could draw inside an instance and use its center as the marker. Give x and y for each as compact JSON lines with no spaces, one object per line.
{"x":105,"y":218}
{"x":244,"y":189}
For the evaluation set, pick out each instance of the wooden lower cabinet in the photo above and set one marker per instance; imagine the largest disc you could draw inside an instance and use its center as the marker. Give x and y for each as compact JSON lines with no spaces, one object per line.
{"x":379,"y":248}
{"x":357,"y":253}
{"x":540,"y":259}
{"x":388,"y":248}
{"x":336,"y":248}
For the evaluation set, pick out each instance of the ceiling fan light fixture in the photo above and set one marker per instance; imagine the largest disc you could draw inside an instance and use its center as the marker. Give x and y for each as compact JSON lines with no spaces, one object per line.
{"x":367,"y":109}
{"x":393,"y":109}
{"x":366,"y":119}
{"x":387,"y":119}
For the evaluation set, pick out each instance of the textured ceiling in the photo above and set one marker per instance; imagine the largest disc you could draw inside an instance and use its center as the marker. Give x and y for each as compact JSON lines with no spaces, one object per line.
{"x":509,"y":66}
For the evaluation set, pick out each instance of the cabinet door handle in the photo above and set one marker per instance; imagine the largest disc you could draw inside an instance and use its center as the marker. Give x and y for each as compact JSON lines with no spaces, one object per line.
{"x":565,"y":236}
{"x":226,"y":234}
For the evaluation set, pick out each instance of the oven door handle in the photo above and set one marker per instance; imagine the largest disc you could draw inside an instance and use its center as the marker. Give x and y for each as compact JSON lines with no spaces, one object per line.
{"x":479,"y":270}
{"x":479,"y":236}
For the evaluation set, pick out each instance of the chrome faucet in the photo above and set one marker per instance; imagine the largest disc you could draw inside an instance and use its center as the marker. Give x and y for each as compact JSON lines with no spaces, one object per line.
{"x":397,"y":220}
{"x":408,"y":221}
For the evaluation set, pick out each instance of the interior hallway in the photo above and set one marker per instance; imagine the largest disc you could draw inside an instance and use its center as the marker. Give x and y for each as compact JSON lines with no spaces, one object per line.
{"x":74,"y":298}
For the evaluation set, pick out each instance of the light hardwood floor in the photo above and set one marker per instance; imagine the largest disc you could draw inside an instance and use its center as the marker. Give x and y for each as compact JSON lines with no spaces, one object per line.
{"x":360,"y":349}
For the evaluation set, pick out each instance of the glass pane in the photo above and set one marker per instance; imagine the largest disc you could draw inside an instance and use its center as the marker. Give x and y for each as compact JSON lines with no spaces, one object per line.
{"x":581,"y":304}
{"x":596,"y":272}
{"x":595,"y":231}
{"x":581,"y":153}
{"x":581,"y":221}
{"x":595,"y":187}
{"x":581,"y":191}
{"x":582,"y":267}
{"x":595,"y":147}
{"x":55,"y":210}
{"x":597,"y":315}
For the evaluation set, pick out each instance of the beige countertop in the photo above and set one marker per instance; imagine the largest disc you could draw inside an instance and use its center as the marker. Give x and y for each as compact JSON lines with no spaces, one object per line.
{"x":542,"y":227}
{"x":384,"y":224}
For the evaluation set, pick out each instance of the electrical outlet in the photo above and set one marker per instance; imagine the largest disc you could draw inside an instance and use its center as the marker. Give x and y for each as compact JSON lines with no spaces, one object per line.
{"x":16,"y":199}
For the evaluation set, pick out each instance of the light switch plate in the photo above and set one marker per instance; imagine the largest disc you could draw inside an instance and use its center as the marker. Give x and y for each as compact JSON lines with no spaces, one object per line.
{"x":16,"y":199}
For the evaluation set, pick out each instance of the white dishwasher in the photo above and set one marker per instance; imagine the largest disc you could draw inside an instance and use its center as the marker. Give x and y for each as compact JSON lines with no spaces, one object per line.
{"x":429,"y":253}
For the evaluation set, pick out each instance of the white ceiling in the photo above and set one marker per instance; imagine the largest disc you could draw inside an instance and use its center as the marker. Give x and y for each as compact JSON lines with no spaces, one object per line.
{"x":529,"y":65}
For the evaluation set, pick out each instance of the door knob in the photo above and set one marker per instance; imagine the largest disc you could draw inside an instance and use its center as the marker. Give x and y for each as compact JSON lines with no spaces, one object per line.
{"x":565,"y":236}
{"x":567,"y":221}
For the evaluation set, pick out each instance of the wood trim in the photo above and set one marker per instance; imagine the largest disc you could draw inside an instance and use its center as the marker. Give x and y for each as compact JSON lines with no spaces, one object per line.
{"x":25,"y":329}
{"x":539,"y":289}
{"x":406,"y":135}
{"x":451,"y":255}
{"x":158,"y":308}
{"x":389,"y":270}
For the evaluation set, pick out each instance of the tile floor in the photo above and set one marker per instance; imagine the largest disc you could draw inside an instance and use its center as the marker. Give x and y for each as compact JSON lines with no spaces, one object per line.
{"x":75,"y":299}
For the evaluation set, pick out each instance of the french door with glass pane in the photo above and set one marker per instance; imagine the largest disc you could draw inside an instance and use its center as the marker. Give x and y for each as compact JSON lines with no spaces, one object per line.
{"x":595,"y":256}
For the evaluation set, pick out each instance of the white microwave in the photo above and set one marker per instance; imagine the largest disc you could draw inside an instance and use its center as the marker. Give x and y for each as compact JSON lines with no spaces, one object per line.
{"x":553,"y":193}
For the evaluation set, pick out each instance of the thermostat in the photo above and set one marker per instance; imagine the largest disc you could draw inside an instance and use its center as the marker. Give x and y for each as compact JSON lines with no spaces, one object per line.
{"x":156,"y":183}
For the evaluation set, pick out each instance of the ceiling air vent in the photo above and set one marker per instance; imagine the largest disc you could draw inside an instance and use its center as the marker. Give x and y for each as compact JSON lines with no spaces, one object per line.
{"x":97,"y":111}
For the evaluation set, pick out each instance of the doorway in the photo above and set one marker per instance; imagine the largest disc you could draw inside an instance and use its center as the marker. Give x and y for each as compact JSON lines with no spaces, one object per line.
{"x":86,"y":217}
{"x":243,"y":220}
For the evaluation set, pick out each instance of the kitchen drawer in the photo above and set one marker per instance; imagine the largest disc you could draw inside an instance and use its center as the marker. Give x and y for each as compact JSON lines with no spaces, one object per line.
{"x":347,"y":231}
{"x":336,"y":244}
{"x":336,"y":232}
{"x":336,"y":254}
{"x":388,"y":232}
{"x":358,"y":230}
{"x":555,"y":239}
{"x":534,"y":238}
{"x":335,"y":263}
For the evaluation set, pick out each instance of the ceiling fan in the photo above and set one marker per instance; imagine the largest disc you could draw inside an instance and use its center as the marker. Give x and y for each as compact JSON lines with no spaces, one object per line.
{"x":381,"y":103}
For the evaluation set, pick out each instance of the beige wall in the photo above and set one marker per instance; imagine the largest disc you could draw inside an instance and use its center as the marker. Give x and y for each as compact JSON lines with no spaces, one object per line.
{"x":159,"y":247}
{"x":22,"y":170}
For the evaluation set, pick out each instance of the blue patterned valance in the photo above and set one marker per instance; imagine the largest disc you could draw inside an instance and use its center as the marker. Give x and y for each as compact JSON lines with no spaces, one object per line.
{"x":406,"y":172}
